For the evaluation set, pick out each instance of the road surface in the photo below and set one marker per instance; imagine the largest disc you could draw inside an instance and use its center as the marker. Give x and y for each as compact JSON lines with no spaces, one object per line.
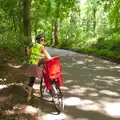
{"x":91,"y":88}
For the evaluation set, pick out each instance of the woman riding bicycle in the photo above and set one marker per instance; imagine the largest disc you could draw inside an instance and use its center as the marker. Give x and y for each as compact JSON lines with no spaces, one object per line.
{"x":36,"y":52}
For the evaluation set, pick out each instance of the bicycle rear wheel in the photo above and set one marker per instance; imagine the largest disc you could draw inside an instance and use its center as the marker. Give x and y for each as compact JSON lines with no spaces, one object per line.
{"x":57,"y":96}
{"x":42,"y":87}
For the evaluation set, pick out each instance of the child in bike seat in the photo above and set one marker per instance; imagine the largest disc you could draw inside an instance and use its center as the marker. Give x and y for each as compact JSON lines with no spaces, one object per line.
{"x":35,"y":53}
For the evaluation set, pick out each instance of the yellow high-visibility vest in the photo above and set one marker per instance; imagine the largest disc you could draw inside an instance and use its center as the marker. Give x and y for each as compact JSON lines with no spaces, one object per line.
{"x":36,"y":54}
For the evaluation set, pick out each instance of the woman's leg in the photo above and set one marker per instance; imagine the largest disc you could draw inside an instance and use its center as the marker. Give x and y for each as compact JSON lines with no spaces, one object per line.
{"x":30,"y":86}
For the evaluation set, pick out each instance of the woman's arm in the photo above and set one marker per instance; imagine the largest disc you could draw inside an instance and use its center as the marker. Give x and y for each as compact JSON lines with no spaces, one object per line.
{"x":45,"y":52}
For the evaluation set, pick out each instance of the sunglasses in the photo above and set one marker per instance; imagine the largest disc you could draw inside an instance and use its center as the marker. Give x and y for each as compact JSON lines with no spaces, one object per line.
{"x":42,"y":39}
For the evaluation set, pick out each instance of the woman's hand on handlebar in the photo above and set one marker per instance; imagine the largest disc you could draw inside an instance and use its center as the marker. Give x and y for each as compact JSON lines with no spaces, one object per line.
{"x":45,"y":52}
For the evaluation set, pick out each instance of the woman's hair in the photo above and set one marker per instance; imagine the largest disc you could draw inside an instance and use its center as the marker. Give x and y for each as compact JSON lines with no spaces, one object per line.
{"x":37,"y":38}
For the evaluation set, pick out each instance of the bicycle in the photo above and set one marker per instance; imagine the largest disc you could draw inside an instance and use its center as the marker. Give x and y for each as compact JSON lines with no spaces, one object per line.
{"x":51,"y":81}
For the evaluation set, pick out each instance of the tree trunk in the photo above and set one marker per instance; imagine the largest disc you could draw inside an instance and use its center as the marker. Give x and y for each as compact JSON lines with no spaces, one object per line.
{"x":26,"y":21}
{"x":56,"y":30}
{"x":94,"y":19}
{"x":20,"y":23}
{"x":56,"y":24}
{"x":52,"y":34}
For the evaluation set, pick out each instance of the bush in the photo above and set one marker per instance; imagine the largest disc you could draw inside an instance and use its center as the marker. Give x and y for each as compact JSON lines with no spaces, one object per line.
{"x":66,"y":44}
{"x":108,"y":44}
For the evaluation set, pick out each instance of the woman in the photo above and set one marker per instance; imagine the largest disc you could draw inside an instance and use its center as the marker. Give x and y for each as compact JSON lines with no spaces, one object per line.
{"x":36,"y":53}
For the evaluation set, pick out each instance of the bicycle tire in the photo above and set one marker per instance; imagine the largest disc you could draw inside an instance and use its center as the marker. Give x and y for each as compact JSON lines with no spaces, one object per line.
{"x":42,"y":87}
{"x":57,"y":95}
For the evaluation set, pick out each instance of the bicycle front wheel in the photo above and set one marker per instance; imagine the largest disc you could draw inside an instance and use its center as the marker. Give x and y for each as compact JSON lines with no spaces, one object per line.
{"x":57,"y":96}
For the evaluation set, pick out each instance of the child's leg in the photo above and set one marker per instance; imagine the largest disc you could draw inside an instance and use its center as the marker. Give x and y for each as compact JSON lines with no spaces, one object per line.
{"x":30,"y":86}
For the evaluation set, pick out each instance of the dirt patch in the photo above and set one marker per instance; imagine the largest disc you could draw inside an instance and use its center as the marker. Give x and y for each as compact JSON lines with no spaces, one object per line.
{"x":13,"y":104}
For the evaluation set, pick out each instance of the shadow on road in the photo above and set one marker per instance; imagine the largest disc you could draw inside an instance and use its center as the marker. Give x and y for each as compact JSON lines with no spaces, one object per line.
{"x":91,"y":88}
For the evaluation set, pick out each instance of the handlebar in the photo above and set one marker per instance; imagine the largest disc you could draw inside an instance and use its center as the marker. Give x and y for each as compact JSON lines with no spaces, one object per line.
{"x":41,"y":62}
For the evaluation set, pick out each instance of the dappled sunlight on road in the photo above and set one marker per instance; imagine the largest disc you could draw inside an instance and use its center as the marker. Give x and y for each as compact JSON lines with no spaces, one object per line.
{"x":64,"y":88}
{"x":76,"y":91}
{"x":115,"y":67}
{"x":93,"y":94}
{"x":110,"y":93}
{"x":68,"y":81}
{"x":80,"y":62}
{"x":3,"y":86}
{"x":102,"y":101}
{"x":80,"y":91}
{"x":61,"y":116}
{"x":88,"y":105}
{"x":72,"y":101}
{"x":100,"y":68}
{"x":109,"y":80}
{"x":111,"y":109}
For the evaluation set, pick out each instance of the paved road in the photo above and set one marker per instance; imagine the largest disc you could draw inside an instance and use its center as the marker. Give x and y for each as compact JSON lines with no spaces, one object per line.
{"x":91,"y":88}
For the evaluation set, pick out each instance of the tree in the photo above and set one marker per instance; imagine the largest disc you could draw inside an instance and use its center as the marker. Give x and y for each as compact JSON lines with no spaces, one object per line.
{"x":27,"y":20}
